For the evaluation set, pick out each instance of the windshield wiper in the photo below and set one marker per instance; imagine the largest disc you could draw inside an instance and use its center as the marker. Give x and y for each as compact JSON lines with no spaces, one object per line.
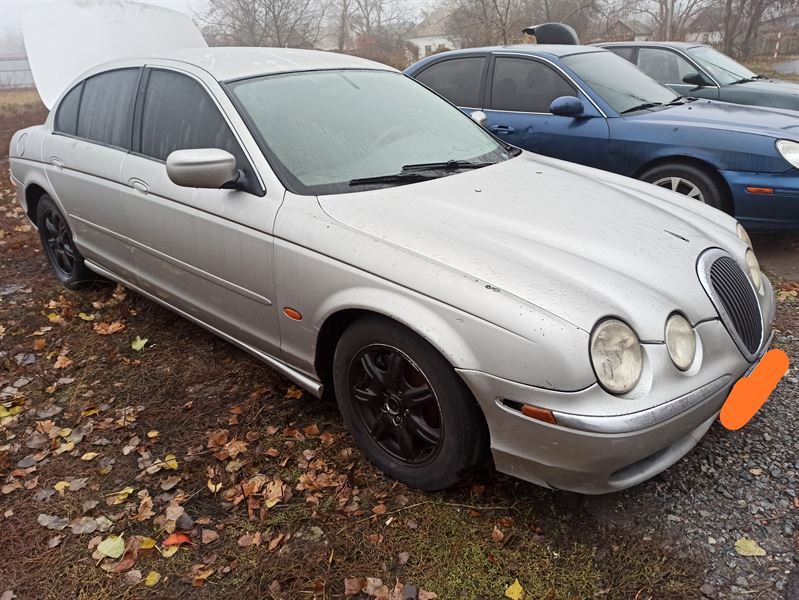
{"x":744,"y":80}
{"x":643,"y":106}
{"x":393,"y":178}
{"x":450,"y":165}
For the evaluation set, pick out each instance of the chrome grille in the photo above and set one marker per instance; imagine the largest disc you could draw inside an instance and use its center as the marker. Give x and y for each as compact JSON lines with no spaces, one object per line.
{"x":734,"y":298}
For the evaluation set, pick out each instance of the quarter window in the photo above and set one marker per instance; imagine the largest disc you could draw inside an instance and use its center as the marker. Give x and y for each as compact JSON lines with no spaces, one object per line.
{"x":106,"y":107}
{"x":458,"y":80}
{"x":66,"y":119}
{"x":525,"y":85}
{"x":626,"y":52}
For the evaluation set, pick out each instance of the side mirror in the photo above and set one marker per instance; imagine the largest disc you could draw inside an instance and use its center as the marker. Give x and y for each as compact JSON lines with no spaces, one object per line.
{"x":694,"y":78}
{"x":479,"y":117}
{"x":202,"y":168}
{"x":566,"y":106}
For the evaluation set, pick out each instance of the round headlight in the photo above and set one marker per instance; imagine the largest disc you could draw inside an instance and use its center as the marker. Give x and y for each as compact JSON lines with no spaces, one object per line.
{"x":616,"y":356}
{"x":754,"y":271}
{"x":743,"y":235}
{"x":789,"y":151}
{"x":681,"y":341}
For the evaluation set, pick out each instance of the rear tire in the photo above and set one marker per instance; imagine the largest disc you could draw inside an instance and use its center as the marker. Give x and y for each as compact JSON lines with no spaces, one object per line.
{"x":695,"y":182}
{"x":59,"y":247}
{"x":407,"y":409}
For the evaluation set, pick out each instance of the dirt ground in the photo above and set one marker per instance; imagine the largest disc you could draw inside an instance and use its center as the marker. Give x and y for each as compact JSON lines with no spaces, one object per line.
{"x":124,"y":427}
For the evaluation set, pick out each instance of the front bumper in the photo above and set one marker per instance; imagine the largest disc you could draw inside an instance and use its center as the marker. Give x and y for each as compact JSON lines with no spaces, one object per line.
{"x":600,"y":452}
{"x":765,"y":211}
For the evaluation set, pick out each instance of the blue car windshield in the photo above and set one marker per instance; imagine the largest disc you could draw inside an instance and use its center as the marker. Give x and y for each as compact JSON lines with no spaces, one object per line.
{"x":340,"y":130}
{"x":618,"y":81}
{"x":724,"y":69}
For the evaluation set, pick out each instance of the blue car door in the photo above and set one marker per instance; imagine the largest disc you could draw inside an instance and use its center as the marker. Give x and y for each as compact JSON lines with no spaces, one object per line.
{"x":519,"y":92}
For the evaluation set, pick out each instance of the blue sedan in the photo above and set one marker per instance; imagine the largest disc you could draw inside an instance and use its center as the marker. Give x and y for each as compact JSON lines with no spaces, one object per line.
{"x":587,"y":105}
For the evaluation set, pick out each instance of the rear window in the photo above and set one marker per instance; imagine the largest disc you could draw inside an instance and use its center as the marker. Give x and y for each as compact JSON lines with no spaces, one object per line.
{"x":106,"y":107}
{"x":626,"y":52}
{"x":66,"y":119}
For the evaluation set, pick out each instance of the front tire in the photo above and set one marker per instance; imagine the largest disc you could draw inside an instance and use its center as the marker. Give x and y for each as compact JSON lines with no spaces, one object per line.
{"x":692,"y":181}
{"x":407,"y":409}
{"x":59,"y":247}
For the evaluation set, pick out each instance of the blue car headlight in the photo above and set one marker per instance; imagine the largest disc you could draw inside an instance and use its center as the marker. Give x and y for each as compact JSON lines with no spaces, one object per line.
{"x":789,"y":151}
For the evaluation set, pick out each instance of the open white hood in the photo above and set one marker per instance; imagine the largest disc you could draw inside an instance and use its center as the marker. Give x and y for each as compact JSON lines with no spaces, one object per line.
{"x":64,"y":39}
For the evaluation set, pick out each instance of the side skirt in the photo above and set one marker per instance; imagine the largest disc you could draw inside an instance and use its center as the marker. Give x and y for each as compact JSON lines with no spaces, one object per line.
{"x":311,"y":385}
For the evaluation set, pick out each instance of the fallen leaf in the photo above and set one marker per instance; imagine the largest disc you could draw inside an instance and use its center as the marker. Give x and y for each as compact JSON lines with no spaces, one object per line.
{"x":53,"y":522}
{"x":138,"y":343}
{"x":424,"y":595}
{"x":747,"y":547}
{"x":170,"y":551}
{"x":214,"y":487}
{"x":208,"y":536}
{"x":353,"y":586}
{"x":62,"y":362}
{"x":201,"y":576}
{"x":170,"y":462}
{"x":497,"y":535}
{"x":515,"y":591}
{"x":109,"y":328}
{"x":152,"y":579}
{"x":293,"y":393}
{"x":153,"y":434}
{"x":89,"y":456}
{"x":54,"y":541}
{"x":132,"y":577}
{"x":380,"y":509}
{"x":170,"y":482}
{"x":176,"y":539}
{"x":86,"y":317}
{"x":113,"y":546}
{"x":757,"y":472}
{"x":83,"y":525}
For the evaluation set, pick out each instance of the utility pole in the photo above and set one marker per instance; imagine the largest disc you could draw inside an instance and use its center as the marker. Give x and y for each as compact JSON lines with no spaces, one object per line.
{"x":669,"y":15}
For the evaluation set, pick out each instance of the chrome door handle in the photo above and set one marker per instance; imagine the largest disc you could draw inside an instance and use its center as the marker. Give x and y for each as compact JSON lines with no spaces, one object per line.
{"x":56,"y":162}
{"x":139,"y":185}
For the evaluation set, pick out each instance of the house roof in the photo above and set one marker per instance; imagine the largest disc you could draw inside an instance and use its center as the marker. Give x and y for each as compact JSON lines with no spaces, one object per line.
{"x":435,"y":24}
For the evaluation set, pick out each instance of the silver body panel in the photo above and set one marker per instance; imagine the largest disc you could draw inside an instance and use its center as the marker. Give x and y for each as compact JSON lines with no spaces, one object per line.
{"x":505,"y":270}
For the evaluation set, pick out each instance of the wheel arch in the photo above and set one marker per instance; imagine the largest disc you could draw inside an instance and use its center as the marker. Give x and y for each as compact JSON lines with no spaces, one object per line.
{"x":699,"y":163}
{"x":33,"y":193}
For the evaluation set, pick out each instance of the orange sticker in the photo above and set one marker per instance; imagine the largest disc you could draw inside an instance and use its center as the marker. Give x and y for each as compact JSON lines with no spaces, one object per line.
{"x":750,"y":393}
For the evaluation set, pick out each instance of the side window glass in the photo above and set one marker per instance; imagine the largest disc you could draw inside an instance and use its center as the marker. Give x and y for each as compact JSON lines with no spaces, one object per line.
{"x":626,"y":52}
{"x":178,"y":114}
{"x":524,"y":85}
{"x":66,"y":118}
{"x":106,"y":107}
{"x":458,"y":79}
{"x":664,"y":65}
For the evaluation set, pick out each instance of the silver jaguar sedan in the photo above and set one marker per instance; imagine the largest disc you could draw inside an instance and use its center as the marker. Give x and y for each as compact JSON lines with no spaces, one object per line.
{"x":361,"y":235}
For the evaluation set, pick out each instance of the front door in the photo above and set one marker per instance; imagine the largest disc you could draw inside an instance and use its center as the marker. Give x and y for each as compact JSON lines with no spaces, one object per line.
{"x":669,"y":68}
{"x":520,"y":92}
{"x":206,"y":252}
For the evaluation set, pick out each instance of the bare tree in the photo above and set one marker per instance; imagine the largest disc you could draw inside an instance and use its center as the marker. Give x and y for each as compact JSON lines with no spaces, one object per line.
{"x":295,"y":23}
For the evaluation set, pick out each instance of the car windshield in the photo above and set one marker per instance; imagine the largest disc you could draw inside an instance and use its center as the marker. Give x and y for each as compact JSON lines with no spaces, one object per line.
{"x":724,"y":69}
{"x":327,"y":131}
{"x":619,"y":82}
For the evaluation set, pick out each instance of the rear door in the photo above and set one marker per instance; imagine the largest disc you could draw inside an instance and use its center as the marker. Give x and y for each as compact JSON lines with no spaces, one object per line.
{"x":460,"y":80}
{"x":84,"y":156}
{"x":206,"y":252}
{"x":520,"y":91}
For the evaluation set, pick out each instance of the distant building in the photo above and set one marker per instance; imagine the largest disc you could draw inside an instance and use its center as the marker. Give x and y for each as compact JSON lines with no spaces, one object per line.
{"x":706,"y":26}
{"x":432,"y":35}
{"x":626,"y":30}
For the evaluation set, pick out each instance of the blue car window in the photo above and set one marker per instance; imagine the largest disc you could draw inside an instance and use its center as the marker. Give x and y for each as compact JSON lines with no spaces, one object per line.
{"x":457,"y":79}
{"x":525,"y":85}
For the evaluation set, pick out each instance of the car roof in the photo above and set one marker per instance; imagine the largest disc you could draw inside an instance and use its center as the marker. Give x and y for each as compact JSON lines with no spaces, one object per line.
{"x":557,"y":50}
{"x":680,"y":45}
{"x":229,"y":63}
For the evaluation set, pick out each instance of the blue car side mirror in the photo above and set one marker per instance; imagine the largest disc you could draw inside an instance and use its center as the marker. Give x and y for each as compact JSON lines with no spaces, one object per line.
{"x":566,"y":106}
